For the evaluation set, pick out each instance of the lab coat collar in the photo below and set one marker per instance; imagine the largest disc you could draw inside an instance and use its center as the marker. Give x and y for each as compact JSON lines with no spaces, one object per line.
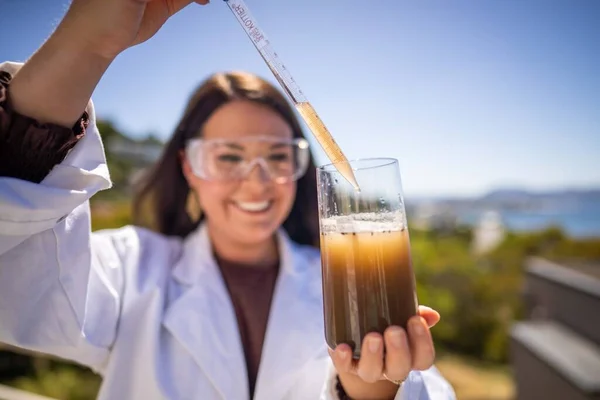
{"x":203,"y":320}
{"x":197,"y":247}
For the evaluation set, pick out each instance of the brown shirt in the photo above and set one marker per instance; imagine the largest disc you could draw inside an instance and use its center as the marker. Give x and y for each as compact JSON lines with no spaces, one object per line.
{"x":29,"y":150}
{"x":251,"y":291}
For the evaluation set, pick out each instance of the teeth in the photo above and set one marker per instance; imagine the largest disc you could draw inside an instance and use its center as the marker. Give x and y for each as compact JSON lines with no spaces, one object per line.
{"x":253,"y":207}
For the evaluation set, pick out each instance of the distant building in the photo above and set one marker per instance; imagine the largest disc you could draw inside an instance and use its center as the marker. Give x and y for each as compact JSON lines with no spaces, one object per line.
{"x":488,"y":233}
{"x":431,"y":216}
{"x":141,"y":152}
{"x":136,"y":157}
{"x":555,"y":349}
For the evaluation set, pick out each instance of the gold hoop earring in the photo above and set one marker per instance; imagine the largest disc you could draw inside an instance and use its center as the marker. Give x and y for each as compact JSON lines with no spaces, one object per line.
{"x":192,"y":206}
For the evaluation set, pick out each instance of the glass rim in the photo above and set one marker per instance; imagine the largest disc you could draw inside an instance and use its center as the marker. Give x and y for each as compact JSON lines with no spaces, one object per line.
{"x":378,"y":162}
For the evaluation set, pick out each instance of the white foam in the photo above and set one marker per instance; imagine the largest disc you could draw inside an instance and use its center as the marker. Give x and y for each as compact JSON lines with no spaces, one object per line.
{"x":364,"y":222}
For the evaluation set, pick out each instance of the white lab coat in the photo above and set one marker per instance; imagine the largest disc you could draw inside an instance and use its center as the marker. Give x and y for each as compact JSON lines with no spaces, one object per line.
{"x":149,"y":313}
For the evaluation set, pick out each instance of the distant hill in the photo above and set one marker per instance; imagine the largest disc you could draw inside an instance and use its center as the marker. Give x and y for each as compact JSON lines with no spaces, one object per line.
{"x":504,"y":195}
{"x":517,"y":199}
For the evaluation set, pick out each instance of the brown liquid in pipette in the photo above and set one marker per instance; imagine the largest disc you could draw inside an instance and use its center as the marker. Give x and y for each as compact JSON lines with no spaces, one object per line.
{"x":323,"y":136}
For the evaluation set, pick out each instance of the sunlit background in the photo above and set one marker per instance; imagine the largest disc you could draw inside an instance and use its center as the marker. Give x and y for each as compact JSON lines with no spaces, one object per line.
{"x":493,"y":110}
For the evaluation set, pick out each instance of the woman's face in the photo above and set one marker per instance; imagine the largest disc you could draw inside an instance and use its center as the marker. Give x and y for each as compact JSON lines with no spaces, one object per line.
{"x":242,"y":144}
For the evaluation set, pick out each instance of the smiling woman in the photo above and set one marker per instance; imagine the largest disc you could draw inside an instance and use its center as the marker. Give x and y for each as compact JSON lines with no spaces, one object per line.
{"x":235,"y":129}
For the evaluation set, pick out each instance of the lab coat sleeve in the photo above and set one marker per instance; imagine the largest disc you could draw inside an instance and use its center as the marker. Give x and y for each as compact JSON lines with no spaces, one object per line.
{"x":420,"y":385}
{"x":59,"y":284}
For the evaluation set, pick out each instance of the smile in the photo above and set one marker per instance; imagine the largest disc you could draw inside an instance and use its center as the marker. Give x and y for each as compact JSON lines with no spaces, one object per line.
{"x":255,"y":207}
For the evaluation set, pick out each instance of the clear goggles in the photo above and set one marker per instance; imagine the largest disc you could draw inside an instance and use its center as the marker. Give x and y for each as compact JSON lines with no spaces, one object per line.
{"x":283,"y":160}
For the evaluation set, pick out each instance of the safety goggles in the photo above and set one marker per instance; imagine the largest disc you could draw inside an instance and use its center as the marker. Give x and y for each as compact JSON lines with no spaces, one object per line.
{"x":283,"y":160}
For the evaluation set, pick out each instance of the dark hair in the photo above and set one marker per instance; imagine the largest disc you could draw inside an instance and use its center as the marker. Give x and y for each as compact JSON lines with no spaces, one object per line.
{"x":161,"y":197}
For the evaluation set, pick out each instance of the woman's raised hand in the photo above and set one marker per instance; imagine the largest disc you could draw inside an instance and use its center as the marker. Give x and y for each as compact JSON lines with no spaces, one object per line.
{"x":107,"y":27}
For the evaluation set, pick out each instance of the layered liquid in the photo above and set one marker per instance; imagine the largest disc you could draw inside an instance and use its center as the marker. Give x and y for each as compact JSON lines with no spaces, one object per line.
{"x":368,"y":283}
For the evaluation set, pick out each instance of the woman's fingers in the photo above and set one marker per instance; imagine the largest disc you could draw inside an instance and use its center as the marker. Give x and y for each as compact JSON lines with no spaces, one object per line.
{"x":421,"y":344}
{"x":396,"y":353}
{"x":431,"y":316}
{"x":370,"y":365}
{"x":174,"y":6}
{"x":398,"y":360}
{"x":342,"y":358}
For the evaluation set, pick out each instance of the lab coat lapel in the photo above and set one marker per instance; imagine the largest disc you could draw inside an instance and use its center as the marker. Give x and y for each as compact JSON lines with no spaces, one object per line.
{"x":201,"y":317}
{"x":295,"y":329}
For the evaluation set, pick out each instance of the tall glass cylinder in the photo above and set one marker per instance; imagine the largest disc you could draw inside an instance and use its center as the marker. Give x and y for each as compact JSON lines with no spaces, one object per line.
{"x":368,"y":280}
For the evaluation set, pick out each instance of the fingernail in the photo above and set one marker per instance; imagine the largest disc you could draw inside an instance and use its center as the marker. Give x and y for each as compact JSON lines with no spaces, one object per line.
{"x":426,"y":308}
{"x":396,"y":337}
{"x":342,"y":355}
{"x":374,"y":344}
{"x":417,"y":327}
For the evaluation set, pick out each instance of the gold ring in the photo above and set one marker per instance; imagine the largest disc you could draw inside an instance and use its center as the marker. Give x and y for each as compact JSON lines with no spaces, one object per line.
{"x":398,"y":382}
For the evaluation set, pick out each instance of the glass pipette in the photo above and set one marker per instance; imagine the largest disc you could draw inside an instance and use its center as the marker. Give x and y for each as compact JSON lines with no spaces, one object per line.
{"x":283,"y":76}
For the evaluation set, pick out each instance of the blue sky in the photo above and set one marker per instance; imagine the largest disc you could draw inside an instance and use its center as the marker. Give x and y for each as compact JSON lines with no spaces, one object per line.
{"x":468,"y":95}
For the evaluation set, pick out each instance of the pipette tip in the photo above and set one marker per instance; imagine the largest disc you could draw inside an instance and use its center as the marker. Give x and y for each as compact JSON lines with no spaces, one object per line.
{"x":354,"y":184}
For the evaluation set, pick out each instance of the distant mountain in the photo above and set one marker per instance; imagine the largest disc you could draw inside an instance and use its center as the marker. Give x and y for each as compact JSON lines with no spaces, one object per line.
{"x":516,"y":199}
{"x":506,"y":195}
{"x":503,"y":195}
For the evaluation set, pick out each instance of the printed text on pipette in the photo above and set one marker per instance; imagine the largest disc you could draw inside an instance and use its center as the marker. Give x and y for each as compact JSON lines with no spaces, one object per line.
{"x":252,"y":28}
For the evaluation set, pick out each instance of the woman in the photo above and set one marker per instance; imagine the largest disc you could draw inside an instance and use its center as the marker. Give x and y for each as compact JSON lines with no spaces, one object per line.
{"x":218,"y":304}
